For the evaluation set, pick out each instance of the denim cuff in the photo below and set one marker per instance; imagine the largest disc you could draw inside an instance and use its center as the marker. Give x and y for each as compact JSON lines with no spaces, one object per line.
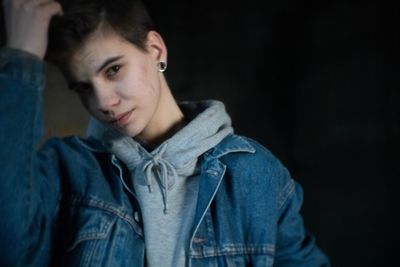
{"x":23,"y":67}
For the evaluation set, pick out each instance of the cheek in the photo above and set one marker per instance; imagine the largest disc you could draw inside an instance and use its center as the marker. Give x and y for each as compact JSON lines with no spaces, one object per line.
{"x":151,"y":79}
{"x":140,"y":84}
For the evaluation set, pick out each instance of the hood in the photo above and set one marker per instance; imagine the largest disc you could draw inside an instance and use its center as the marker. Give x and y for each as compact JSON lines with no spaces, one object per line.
{"x":176,"y":157}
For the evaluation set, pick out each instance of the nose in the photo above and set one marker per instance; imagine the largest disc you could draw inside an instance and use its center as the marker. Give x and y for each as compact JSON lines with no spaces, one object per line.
{"x":106,"y":98}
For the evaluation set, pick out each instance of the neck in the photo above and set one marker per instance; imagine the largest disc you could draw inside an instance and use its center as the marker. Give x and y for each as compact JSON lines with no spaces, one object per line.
{"x":167,"y":120}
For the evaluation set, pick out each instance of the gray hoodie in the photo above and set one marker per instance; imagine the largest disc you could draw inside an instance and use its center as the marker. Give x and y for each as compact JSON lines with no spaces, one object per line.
{"x":166,"y":179}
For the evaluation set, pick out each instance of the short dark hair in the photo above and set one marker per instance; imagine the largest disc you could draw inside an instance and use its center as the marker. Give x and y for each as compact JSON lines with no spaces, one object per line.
{"x":128,"y":18}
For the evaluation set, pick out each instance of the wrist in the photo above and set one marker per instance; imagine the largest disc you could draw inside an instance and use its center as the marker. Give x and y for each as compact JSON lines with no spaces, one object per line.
{"x":27,"y":51}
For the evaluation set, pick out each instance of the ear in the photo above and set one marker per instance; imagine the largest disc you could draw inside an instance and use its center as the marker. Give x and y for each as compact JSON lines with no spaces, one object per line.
{"x":156,"y":46}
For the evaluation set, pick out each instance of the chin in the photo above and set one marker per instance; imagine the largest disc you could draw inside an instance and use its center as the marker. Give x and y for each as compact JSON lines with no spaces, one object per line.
{"x":131,"y":130}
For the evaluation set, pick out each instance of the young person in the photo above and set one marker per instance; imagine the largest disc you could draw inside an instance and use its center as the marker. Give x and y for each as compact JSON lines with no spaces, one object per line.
{"x":156,"y":183}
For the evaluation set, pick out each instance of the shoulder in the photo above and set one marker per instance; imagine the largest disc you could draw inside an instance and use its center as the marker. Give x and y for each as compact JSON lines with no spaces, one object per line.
{"x":250,"y":162}
{"x":241,"y":150}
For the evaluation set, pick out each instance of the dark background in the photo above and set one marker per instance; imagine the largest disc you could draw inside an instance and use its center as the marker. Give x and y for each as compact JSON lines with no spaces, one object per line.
{"x":317,"y":82}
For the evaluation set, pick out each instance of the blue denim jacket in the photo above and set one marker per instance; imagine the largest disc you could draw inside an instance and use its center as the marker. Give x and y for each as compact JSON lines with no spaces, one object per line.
{"x":71,"y":203}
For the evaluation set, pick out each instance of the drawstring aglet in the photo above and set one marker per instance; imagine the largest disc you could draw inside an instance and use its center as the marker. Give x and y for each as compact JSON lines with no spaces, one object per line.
{"x":166,"y":209}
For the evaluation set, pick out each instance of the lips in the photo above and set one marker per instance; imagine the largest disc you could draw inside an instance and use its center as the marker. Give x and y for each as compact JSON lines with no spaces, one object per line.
{"x":121,"y":119}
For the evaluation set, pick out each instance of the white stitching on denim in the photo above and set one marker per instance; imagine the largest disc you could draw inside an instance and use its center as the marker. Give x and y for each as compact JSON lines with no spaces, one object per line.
{"x":232,"y":249}
{"x":285,"y":193}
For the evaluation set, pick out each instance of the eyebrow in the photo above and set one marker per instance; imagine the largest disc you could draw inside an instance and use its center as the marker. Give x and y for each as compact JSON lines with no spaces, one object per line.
{"x":107,"y":62}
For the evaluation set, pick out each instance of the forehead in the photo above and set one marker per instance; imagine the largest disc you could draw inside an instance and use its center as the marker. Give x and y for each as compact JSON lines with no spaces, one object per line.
{"x":96,"y":49}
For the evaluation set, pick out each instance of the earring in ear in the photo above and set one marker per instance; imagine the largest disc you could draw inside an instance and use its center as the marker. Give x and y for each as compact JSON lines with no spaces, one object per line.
{"x":162,"y":66}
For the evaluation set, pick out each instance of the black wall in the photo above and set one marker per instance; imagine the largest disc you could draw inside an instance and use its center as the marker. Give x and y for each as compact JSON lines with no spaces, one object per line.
{"x":317,"y":82}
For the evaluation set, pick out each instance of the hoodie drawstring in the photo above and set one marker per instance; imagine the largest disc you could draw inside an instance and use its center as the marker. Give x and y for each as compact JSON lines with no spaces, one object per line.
{"x":161,"y":168}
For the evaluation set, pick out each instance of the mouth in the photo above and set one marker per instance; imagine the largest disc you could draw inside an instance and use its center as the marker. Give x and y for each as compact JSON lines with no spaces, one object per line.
{"x":121,"y":119}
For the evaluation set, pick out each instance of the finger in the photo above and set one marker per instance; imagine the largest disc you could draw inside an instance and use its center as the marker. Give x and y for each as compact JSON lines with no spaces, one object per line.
{"x":38,"y":3}
{"x":51,"y":9}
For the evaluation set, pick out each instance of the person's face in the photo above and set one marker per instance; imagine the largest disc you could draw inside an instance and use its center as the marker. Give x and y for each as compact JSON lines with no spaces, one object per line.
{"x":118,"y":83}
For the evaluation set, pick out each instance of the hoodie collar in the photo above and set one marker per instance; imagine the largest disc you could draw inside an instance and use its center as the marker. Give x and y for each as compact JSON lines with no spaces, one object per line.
{"x":209,"y":124}
{"x":177,"y":156}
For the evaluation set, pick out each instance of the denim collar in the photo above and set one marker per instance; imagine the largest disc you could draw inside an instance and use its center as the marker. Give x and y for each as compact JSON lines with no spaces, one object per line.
{"x":231,"y":144}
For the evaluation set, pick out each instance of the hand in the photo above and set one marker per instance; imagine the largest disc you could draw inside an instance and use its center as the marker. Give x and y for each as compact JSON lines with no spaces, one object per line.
{"x":27,"y":23}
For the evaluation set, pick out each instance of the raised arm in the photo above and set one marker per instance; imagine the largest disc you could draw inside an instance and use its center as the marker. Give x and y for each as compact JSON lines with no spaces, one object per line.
{"x":28,"y":192}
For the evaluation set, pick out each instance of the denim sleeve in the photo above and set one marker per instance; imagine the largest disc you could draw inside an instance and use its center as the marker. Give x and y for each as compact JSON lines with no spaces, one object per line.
{"x":295,"y":246}
{"x":29,"y":192}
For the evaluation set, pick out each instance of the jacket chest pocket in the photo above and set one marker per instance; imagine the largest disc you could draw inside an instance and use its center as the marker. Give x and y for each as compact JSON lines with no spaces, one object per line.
{"x":87,"y":236}
{"x":221,"y":245}
{"x":233,"y":256}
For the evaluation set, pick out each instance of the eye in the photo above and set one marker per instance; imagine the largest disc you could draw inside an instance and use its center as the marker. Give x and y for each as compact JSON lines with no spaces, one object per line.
{"x":111,"y":72}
